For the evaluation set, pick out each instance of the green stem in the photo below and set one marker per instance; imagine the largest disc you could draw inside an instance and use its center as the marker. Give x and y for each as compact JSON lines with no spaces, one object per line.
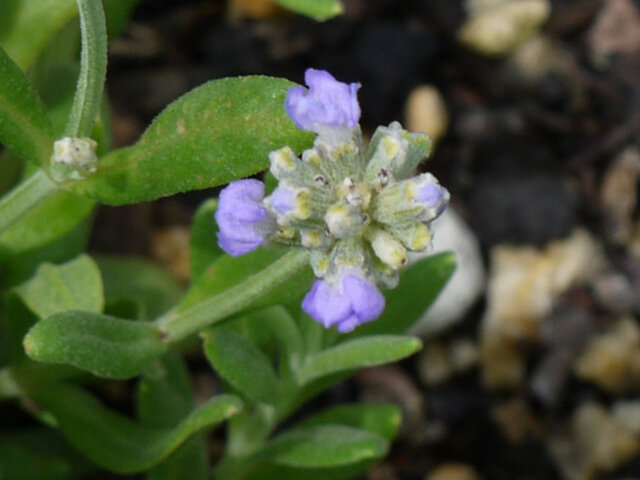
{"x":93,"y":69}
{"x":24,"y":197}
{"x":178,"y":325}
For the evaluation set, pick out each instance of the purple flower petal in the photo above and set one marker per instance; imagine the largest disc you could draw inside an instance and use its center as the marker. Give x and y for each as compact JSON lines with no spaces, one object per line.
{"x":354,"y":302}
{"x":325,"y":304}
{"x":239,"y":216}
{"x":328,"y":102}
{"x":366,"y":300}
{"x":430,"y":194}
{"x":283,"y":200}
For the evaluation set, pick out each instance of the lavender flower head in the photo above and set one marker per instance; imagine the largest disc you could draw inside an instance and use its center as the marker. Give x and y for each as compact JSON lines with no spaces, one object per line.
{"x":357,"y":212}
{"x":241,"y":217}
{"x":351,"y":302}
{"x":327,"y":103}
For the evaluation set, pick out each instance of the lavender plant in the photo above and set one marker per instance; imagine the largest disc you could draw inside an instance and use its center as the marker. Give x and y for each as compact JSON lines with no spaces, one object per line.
{"x":275,"y":338}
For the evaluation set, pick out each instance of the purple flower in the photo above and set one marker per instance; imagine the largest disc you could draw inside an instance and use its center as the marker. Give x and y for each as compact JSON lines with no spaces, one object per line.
{"x":353,"y":302}
{"x":241,"y":217}
{"x":328,"y":103}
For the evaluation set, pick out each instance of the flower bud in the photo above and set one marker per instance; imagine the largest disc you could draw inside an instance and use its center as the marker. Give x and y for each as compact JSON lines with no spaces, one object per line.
{"x":76,"y":154}
{"x":387,"y":248}
{"x":395,"y":151}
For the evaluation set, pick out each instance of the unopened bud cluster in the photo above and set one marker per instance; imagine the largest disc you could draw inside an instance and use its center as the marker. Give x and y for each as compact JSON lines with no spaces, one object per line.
{"x":356,"y":209}
{"x":359,"y":211}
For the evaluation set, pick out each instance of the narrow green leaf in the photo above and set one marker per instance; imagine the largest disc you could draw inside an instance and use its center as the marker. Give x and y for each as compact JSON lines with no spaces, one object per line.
{"x":419,"y":286}
{"x":204,"y":242}
{"x":75,"y":285}
{"x":359,"y":353}
{"x":148,"y":285}
{"x":116,"y":442}
{"x":24,"y":126}
{"x":218,"y":132}
{"x":383,"y":419}
{"x":242,"y":364}
{"x":93,"y":69}
{"x":39,"y":455}
{"x":103,"y":345}
{"x":325,"y":446}
{"x":27,"y":25}
{"x":318,"y":9}
{"x":164,"y":399}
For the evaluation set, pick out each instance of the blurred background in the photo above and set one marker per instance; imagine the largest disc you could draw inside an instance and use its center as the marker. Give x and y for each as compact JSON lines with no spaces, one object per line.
{"x":531,"y":365}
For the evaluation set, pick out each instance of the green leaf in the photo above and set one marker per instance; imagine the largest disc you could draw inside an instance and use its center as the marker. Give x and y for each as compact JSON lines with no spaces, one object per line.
{"x":27,"y":25}
{"x":52,"y":219}
{"x":164,"y":399}
{"x":242,"y":364}
{"x":204,"y":241}
{"x":21,"y":265}
{"x":383,"y":420}
{"x":318,"y":9}
{"x":325,"y":446}
{"x":116,"y":442}
{"x":105,"y":346}
{"x":24,"y":126}
{"x":359,"y":353}
{"x":75,"y":285}
{"x":39,"y":455}
{"x":420,"y":284}
{"x":218,"y":132}
{"x":134,"y":279}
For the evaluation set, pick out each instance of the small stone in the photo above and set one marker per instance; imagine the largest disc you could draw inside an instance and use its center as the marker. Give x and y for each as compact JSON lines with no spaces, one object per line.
{"x":627,"y":413}
{"x":616,"y":292}
{"x":524,"y":283}
{"x":499,"y":29}
{"x":426,"y":111}
{"x":434,"y":364}
{"x":439,"y":362}
{"x":605,"y":443}
{"x":453,"y":471}
{"x":618,"y":196}
{"x":597,"y":442}
{"x":517,"y":421}
{"x":612,"y":360}
{"x":464,"y":354}
{"x":467,"y":283}
{"x":170,"y":247}
{"x":616,"y":30}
